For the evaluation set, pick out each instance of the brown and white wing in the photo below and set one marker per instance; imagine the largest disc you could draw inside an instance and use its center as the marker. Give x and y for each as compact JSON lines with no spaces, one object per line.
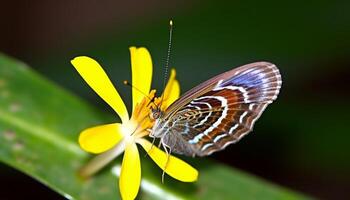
{"x":221,"y":110}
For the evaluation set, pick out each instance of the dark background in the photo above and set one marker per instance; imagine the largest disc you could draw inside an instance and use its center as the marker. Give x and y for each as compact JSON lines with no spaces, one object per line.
{"x":301,"y":141}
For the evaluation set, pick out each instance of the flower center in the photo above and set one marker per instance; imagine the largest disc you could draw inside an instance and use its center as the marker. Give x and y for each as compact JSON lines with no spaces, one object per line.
{"x":140,"y":120}
{"x":129,"y":128}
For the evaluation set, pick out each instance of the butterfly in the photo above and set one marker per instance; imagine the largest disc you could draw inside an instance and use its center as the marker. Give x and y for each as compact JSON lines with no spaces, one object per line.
{"x":218,"y":112}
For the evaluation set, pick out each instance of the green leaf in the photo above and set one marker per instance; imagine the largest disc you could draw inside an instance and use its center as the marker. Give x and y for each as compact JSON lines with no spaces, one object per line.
{"x":39,"y":126}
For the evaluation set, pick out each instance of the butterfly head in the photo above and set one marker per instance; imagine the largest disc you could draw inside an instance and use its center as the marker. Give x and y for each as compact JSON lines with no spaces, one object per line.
{"x":156,"y":113}
{"x":160,"y":123}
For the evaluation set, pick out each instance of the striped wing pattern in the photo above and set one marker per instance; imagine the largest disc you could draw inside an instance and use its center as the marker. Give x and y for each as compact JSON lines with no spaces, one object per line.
{"x":225,"y":112}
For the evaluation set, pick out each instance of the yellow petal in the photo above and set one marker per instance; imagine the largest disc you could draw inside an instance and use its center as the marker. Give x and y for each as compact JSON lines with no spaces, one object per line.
{"x":100,"y":138}
{"x":171,"y":91}
{"x":141,"y":67}
{"x":130,"y":175}
{"x":175,"y":167}
{"x":98,"y":80}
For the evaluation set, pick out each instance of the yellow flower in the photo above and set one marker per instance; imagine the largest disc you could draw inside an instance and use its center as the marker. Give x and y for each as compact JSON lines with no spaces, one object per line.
{"x":112,"y":139}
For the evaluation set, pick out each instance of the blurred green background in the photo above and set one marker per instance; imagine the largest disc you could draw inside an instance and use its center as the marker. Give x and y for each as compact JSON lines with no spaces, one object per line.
{"x":301,"y":141}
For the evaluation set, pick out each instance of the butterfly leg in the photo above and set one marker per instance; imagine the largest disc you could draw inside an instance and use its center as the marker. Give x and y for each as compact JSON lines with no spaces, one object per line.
{"x":160,"y":143}
{"x":167,"y":150}
{"x":153,"y":140}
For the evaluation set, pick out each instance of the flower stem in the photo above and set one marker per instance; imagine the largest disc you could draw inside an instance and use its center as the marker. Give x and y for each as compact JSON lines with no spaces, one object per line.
{"x":102,"y":160}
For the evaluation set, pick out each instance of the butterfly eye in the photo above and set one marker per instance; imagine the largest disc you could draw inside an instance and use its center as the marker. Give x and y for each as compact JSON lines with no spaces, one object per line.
{"x":155,"y":114}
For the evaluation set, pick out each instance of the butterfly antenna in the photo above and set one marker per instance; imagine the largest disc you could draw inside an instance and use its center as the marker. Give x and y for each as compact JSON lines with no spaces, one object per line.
{"x":167,"y":58}
{"x":150,"y":100}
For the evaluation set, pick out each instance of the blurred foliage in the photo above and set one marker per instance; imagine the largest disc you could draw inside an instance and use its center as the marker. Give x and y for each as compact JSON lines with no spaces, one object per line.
{"x":39,"y":124}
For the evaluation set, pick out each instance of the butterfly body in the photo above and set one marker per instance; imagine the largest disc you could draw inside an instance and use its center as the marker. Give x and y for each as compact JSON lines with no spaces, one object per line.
{"x":219,"y":111}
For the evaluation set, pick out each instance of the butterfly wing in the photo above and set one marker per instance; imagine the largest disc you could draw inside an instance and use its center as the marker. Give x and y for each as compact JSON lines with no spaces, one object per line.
{"x":221,"y":110}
